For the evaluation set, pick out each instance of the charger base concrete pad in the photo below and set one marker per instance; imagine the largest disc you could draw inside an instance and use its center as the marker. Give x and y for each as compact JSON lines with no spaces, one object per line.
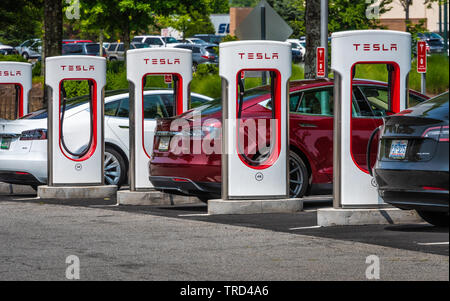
{"x":152,"y":197}
{"x":342,"y":217}
{"x":220,"y":206}
{"x":77,"y":192}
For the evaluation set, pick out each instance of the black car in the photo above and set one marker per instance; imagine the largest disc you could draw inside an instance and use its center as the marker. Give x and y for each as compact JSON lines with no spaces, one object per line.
{"x":434,"y":42}
{"x":413,"y":165}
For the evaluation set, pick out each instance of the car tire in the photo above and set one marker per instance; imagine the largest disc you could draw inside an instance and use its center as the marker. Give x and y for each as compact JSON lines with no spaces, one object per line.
{"x":112,"y":59}
{"x":439,"y":219}
{"x":25,"y":55}
{"x":298,"y":176}
{"x":115,"y":167}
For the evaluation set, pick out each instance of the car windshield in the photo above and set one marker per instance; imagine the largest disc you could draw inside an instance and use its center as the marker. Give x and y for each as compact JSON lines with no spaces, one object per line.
{"x":436,"y":107}
{"x":211,"y":49}
{"x":170,"y":40}
{"x":140,"y":45}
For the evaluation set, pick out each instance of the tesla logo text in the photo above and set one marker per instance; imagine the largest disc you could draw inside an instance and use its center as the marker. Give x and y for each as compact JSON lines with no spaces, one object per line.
{"x":259,"y":56}
{"x":376,"y":47}
{"x":10,"y":73}
{"x":77,"y":68}
{"x":162,"y":61}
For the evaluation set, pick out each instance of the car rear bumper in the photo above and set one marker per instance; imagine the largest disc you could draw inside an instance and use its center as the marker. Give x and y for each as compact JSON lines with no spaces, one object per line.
{"x":20,"y":178}
{"x":414,"y":189}
{"x":185,"y":186}
{"x":35,"y":164}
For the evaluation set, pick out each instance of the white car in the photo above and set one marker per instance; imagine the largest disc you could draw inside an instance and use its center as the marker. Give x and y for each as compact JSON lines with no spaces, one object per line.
{"x":156,"y":41}
{"x":23,"y":142}
{"x":298,"y":44}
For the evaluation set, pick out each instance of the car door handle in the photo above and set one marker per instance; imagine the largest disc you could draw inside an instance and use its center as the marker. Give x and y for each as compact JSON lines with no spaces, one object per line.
{"x":307,"y":125}
{"x":124,"y":126}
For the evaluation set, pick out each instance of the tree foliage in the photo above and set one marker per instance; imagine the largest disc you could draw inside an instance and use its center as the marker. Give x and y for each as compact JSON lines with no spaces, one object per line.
{"x":20,"y":20}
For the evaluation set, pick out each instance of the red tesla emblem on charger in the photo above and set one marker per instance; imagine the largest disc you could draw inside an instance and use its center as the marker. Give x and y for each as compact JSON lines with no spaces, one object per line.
{"x":168,"y":78}
{"x":320,"y":68}
{"x":421,"y":57}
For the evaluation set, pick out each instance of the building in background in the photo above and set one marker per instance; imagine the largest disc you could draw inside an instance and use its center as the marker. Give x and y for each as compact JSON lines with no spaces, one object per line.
{"x":395,"y":18}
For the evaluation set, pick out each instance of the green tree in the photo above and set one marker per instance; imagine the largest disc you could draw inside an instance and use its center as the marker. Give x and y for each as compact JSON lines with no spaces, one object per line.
{"x":243,"y":3}
{"x":219,"y":6}
{"x":20,"y":20}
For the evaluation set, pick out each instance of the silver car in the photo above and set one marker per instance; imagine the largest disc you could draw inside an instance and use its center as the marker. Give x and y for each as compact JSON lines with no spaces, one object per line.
{"x":30,"y":49}
{"x":116,"y":51}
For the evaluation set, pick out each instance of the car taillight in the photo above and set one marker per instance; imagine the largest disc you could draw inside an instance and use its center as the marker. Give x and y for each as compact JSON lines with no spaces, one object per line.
{"x":439,"y":133}
{"x":208,"y":57}
{"x":37,"y":134}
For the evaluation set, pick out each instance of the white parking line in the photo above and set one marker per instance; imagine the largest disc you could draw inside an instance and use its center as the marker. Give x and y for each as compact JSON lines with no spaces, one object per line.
{"x":301,"y":228}
{"x":197,"y":214}
{"x":433,"y":243}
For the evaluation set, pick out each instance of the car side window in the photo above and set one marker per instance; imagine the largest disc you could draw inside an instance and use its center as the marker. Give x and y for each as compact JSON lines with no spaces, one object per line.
{"x":377,"y":98}
{"x":121,"y":47}
{"x":111,"y":108}
{"x":168,"y":103}
{"x":154,"y":107}
{"x":317,"y":102}
{"x":112,"y":47}
{"x":195,"y":49}
{"x":293,"y":101}
{"x":124,"y":109}
{"x":361,"y":107}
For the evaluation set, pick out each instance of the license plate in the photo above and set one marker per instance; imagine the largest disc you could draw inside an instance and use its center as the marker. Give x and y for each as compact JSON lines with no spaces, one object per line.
{"x":6,"y":142}
{"x":398,"y":149}
{"x":164,"y":143}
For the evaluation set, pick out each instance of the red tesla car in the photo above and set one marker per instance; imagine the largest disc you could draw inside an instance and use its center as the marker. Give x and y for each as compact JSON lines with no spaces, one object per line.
{"x":311,"y":137}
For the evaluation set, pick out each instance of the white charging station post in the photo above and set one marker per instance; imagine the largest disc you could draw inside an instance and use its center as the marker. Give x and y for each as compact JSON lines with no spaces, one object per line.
{"x":74,"y":173}
{"x":140,"y":64}
{"x":257,"y":184}
{"x":18,"y":74}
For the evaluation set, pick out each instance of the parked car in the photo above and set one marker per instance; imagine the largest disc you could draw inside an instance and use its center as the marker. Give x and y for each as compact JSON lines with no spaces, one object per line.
{"x":296,"y":55}
{"x":7,"y":50}
{"x":210,"y":38}
{"x":201,"y":54}
{"x":82,"y":49}
{"x":311,"y":137}
{"x":116,"y":51}
{"x":30,"y":49}
{"x":413,"y":166}
{"x":23,"y":151}
{"x":435,"y":43}
{"x":297,"y":44}
{"x":156,"y":41}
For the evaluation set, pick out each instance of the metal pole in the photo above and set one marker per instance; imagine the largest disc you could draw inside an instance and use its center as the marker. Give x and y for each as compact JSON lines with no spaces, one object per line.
{"x":446,"y":25}
{"x":423,"y":85}
{"x":263,"y":37}
{"x":324,"y":30}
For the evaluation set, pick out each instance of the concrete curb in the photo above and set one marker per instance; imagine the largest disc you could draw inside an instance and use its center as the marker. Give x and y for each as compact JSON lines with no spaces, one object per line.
{"x":219,"y":206}
{"x":77,"y":192}
{"x":151,"y":198}
{"x":6,"y":188}
{"x":342,"y":217}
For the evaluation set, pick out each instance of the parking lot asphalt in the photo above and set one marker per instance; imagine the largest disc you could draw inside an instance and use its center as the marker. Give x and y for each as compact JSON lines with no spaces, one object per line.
{"x":127,"y":242}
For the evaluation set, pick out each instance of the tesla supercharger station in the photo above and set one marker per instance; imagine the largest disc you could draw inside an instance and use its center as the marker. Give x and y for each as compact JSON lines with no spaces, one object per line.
{"x":66,"y":165}
{"x":352,"y":184}
{"x":258,"y":176}
{"x":19,"y":75}
{"x":140,"y":64}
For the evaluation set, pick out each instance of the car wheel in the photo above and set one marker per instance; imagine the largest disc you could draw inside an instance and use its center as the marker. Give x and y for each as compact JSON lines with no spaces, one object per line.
{"x":435,"y":218}
{"x":25,"y":55}
{"x":298,"y":176}
{"x":111,"y":59}
{"x":115,"y":167}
